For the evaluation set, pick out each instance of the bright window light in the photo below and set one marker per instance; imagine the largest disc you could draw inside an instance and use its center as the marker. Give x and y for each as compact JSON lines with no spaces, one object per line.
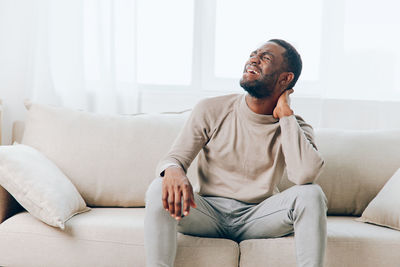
{"x":242,"y":26}
{"x":371,"y":47}
{"x":165,"y":41}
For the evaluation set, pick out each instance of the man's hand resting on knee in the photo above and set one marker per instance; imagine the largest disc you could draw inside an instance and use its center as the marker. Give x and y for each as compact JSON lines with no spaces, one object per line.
{"x":175,"y":186}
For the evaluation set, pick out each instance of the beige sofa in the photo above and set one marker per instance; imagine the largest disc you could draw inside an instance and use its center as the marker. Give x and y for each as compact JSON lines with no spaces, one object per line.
{"x":111,"y":161}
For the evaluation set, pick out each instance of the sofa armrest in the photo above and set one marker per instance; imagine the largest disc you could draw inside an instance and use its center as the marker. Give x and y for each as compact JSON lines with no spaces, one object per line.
{"x":17,"y":131}
{"x":8,"y":205}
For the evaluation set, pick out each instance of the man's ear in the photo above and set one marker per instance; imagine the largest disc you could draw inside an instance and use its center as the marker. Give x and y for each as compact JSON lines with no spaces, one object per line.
{"x":287,"y":78}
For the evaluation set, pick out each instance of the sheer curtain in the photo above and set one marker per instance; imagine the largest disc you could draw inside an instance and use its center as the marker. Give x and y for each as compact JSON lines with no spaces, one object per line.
{"x":99,"y":54}
{"x":83,"y":54}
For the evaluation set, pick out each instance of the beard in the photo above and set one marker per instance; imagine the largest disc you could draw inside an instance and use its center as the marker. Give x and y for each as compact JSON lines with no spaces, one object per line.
{"x":259,"y":89}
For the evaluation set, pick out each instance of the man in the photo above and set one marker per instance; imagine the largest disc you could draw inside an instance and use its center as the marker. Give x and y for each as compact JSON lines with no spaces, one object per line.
{"x":245,"y":143}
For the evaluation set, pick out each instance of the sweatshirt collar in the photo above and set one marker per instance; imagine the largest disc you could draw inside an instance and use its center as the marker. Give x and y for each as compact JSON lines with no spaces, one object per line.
{"x":252,"y":116}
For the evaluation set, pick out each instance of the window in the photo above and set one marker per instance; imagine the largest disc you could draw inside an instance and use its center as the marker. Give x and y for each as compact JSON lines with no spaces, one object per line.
{"x":371,"y":42}
{"x":165,"y":41}
{"x":241,"y":26}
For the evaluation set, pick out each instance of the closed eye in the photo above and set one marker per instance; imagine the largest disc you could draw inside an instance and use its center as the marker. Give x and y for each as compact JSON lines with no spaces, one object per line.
{"x":266,"y":58}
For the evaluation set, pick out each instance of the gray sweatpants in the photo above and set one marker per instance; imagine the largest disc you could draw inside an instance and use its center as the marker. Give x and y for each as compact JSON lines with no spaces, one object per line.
{"x":300,"y":209}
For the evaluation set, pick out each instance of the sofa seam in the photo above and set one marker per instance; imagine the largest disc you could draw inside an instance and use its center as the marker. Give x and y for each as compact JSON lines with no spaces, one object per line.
{"x":99,"y":241}
{"x":64,"y":238}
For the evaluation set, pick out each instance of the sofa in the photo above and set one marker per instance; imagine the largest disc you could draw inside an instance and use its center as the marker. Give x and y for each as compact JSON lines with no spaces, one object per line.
{"x":111,"y":160}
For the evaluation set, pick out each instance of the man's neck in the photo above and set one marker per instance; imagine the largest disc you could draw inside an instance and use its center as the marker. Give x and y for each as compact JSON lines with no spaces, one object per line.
{"x":264,"y":106}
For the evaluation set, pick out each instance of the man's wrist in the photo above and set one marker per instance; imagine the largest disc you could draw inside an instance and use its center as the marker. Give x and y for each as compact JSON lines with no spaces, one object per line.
{"x":166,"y":166}
{"x":286,"y":111}
{"x":174,"y":168}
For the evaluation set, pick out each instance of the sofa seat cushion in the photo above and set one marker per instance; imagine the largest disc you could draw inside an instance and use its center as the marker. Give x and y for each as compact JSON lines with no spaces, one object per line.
{"x":100,"y":237}
{"x":350,"y":243}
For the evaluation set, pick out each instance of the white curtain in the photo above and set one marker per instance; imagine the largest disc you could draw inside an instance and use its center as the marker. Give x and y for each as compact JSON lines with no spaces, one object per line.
{"x":77,"y":47}
{"x":99,"y":55}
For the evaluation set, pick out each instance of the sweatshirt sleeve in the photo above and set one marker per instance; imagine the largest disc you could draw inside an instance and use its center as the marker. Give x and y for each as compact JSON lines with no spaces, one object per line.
{"x":191,"y":139}
{"x":303,"y":161}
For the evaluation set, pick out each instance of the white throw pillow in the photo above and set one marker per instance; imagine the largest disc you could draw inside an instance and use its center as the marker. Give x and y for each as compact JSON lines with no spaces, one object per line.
{"x":38,"y":185}
{"x":384,"y":208}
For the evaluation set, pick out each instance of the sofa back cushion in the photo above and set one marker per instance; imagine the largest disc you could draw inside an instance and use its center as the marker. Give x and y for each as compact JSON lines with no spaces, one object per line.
{"x":358,"y":164}
{"x":111,"y":159}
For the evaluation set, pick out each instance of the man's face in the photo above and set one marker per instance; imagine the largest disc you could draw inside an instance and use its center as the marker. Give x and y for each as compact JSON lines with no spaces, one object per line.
{"x":262,"y":70}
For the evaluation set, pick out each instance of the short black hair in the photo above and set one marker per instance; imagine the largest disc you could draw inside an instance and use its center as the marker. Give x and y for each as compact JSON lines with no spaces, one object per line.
{"x":291,"y":59}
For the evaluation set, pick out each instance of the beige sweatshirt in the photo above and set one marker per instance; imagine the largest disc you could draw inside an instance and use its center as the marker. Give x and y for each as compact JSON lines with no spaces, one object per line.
{"x":243,"y":154}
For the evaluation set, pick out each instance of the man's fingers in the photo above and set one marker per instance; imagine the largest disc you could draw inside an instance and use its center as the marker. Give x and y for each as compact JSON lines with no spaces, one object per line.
{"x":186,"y":201}
{"x":289,"y":91}
{"x":192,"y":202}
{"x":174,"y":190}
{"x":171,"y":204}
{"x":164,"y":197}
{"x":178,"y":198}
{"x":274,"y":114}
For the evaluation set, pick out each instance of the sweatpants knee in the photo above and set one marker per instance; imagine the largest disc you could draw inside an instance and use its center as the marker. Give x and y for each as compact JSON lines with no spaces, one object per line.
{"x":311,"y":195}
{"x":154,"y":195}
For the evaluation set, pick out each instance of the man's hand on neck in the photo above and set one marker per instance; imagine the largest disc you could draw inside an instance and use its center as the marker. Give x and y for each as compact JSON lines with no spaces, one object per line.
{"x":282,"y":108}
